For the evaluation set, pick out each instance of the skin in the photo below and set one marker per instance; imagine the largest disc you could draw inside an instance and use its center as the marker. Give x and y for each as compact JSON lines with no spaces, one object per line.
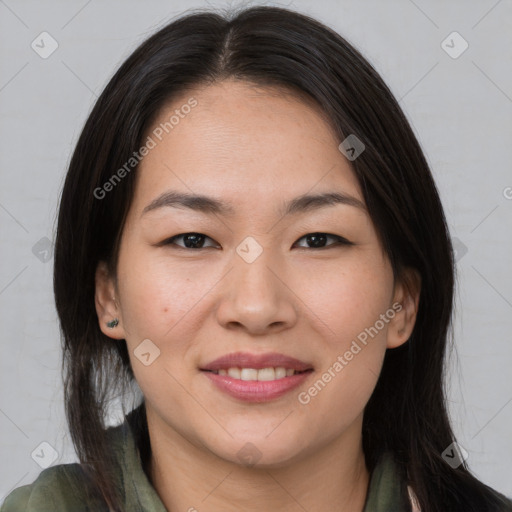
{"x":255,"y":148}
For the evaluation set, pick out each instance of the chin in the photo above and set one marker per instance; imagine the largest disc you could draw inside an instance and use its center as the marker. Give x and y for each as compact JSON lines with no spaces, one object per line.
{"x":260,"y":452}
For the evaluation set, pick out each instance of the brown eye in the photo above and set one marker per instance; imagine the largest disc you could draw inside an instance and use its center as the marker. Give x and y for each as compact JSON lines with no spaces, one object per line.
{"x":190,"y":240}
{"x":317,"y":240}
{"x":314,"y":240}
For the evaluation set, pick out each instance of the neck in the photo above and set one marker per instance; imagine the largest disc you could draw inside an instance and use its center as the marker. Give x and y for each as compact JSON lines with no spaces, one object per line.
{"x":190,"y":478}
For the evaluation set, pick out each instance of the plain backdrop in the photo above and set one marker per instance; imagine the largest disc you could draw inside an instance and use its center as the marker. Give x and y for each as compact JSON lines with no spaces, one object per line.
{"x":460,"y":106}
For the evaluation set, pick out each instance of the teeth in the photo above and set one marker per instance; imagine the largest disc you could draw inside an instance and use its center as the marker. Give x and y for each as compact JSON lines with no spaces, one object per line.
{"x":265,"y":374}
{"x":281,"y":372}
{"x":234,"y":372}
{"x":249,"y":374}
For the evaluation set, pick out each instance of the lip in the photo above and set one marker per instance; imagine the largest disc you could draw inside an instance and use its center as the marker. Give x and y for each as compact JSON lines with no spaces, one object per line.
{"x":257,"y":361}
{"x":254,"y":390}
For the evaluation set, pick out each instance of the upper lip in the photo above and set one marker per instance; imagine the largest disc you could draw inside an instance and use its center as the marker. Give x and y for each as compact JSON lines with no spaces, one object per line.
{"x":256,"y":361}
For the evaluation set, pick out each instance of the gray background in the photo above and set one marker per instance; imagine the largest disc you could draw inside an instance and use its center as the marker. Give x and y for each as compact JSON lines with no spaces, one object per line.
{"x":460,"y":109}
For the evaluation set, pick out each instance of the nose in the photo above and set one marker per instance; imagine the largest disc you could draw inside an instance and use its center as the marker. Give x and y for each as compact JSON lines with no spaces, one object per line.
{"x":256,"y":298}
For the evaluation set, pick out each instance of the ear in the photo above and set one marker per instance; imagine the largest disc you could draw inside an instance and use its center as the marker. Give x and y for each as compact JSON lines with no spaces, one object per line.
{"x":107,"y":307}
{"x":406,"y":298}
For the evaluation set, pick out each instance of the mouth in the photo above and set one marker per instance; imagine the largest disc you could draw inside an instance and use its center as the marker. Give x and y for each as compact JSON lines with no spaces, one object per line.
{"x":261,"y":375}
{"x":256,"y":377}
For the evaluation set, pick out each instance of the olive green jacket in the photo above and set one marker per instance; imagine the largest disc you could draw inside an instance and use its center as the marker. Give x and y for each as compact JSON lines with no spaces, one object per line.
{"x":63,"y":488}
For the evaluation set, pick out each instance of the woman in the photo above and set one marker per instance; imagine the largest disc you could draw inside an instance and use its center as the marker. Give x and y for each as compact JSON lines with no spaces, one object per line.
{"x":241,"y":235}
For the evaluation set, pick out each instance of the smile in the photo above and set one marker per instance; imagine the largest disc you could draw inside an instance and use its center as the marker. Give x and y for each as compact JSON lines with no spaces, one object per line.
{"x":252,"y":374}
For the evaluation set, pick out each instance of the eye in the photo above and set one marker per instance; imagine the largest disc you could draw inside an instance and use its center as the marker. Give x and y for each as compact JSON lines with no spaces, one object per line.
{"x":191,"y":240}
{"x":318,"y":240}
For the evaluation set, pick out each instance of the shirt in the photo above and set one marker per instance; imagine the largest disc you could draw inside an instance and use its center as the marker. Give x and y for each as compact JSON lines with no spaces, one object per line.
{"x":62,"y":488}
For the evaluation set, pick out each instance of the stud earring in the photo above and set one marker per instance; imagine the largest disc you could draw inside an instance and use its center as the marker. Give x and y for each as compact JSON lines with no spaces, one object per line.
{"x":113,"y":323}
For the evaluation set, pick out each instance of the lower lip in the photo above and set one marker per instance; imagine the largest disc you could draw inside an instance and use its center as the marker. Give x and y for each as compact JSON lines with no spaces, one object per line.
{"x":254,"y":390}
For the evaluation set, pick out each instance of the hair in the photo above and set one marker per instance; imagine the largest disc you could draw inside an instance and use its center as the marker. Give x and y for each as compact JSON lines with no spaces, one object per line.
{"x":267,"y":46}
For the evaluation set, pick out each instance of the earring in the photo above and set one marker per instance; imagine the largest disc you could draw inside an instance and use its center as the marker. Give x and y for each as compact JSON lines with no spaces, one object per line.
{"x":113,"y":323}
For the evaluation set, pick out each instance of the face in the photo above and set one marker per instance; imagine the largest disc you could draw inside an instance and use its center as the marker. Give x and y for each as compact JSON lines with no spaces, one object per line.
{"x":308,"y":290}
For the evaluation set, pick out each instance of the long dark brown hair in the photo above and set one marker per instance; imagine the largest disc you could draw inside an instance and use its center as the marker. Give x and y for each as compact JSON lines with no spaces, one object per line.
{"x":406,"y":414}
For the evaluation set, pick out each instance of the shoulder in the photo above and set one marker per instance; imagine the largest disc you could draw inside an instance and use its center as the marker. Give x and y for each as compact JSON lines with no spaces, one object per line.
{"x":70,"y":487}
{"x":61,"y":488}
{"x":505,"y":502}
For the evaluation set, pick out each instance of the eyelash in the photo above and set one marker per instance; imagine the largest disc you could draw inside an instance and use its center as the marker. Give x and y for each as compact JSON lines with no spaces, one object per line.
{"x":340,"y":241}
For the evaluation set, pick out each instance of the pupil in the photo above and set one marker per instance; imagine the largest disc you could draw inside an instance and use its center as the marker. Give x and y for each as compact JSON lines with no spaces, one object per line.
{"x":316,"y":239}
{"x":195,"y":238}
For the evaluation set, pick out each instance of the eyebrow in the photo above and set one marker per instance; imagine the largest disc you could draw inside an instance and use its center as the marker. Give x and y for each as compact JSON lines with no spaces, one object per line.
{"x":212,"y":206}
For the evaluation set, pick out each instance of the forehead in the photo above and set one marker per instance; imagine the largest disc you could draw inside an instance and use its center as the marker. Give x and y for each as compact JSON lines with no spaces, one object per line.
{"x":246,"y":143}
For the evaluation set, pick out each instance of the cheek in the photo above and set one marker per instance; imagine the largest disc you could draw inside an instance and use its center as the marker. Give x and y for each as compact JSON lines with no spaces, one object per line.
{"x":347,"y":297}
{"x":351,"y":363}
{"x":352,"y":345}
{"x":159,"y":303}
{"x":156,"y":295}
